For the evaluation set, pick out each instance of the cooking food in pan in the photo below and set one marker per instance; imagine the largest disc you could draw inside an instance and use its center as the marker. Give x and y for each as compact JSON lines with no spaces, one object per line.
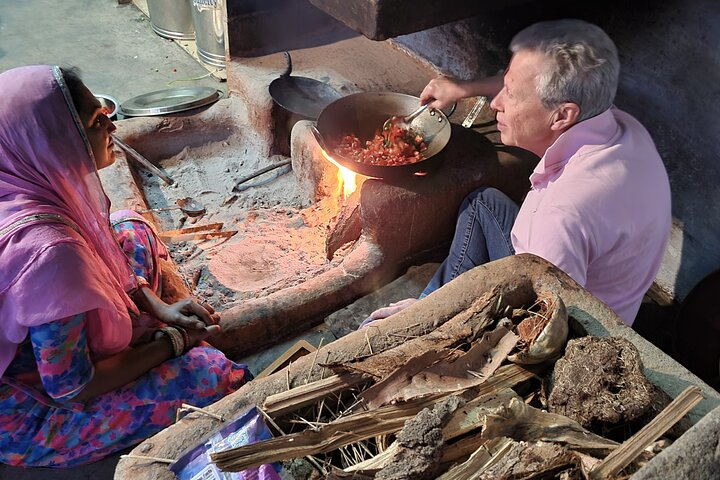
{"x":393,"y":145}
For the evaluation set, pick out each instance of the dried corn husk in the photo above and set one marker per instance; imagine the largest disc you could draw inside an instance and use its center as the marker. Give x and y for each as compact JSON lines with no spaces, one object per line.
{"x":551,"y":340}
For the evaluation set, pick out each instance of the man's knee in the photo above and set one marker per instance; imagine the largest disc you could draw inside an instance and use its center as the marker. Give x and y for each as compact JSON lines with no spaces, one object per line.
{"x":483,"y":196}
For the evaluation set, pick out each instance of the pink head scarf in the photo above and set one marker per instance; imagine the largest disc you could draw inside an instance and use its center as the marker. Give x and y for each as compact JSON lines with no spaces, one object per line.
{"x":48,"y":270}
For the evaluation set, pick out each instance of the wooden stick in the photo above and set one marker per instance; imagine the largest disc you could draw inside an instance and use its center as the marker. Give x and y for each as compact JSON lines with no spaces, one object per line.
{"x":293,"y":399}
{"x":310,"y":458}
{"x":377,"y":462}
{"x":186,"y":406}
{"x":367,"y":339}
{"x":463,"y":326}
{"x":184,"y":237}
{"x":209,"y":227}
{"x":350,"y":429}
{"x":312,"y":365}
{"x":631,"y":448}
{"x":152,"y":459}
{"x":485,"y":456}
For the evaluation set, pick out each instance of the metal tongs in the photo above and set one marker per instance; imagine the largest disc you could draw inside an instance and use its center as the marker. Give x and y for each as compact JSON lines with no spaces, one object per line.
{"x":404,"y":122}
{"x":143,"y":161}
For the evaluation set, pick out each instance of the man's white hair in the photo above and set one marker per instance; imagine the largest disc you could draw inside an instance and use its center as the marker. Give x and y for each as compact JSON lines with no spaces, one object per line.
{"x":584,"y":68}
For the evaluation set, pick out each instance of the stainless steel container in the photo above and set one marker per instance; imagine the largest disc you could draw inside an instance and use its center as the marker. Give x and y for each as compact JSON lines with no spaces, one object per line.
{"x":210,"y":20}
{"x":172,"y":18}
{"x":110,"y":104}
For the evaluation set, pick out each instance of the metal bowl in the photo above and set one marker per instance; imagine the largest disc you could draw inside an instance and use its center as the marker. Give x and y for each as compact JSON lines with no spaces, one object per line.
{"x":110,"y":104}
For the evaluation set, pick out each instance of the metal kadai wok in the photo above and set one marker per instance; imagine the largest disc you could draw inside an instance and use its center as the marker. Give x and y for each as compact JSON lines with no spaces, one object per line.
{"x":363,"y":115}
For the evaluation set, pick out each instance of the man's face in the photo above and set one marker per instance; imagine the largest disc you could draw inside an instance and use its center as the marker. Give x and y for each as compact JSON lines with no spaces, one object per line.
{"x":522,"y":119}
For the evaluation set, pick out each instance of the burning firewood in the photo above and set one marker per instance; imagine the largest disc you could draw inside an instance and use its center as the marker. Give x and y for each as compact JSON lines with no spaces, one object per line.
{"x":347,"y":225}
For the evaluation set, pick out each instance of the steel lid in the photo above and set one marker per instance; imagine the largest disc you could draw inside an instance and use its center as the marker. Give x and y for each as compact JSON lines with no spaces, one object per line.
{"x":170,"y":100}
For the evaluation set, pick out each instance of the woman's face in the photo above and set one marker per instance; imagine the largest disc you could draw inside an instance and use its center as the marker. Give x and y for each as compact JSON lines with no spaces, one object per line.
{"x":98,"y":128}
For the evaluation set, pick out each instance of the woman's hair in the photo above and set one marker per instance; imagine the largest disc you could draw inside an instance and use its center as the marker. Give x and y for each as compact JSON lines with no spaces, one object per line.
{"x":71,"y":75}
{"x":584,"y":68}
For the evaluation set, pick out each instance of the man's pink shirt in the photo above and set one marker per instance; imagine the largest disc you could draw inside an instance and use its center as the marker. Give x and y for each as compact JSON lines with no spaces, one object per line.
{"x":599,"y":209}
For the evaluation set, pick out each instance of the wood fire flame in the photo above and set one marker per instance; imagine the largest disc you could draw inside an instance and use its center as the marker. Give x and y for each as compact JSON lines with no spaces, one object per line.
{"x":345,"y":175}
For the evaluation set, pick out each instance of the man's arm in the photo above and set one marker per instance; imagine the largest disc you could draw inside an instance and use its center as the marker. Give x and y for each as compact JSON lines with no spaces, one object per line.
{"x":441,"y":92}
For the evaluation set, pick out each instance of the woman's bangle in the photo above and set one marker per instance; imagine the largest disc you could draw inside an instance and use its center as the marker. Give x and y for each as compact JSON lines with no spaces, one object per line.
{"x":176,"y":338}
{"x":141,"y":282}
{"x":185,"y":337}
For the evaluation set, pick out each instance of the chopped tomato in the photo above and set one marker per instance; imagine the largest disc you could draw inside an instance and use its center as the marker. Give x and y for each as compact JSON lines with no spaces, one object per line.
{"x":391,"y":147}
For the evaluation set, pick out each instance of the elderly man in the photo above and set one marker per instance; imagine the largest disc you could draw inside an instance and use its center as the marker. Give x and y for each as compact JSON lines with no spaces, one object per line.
{"x":599,"y":204}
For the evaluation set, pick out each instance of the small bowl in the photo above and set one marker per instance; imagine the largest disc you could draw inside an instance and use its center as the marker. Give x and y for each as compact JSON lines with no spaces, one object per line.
{"x":109,"y":103}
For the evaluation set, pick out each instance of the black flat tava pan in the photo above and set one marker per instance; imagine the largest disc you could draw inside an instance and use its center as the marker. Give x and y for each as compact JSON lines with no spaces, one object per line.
{"x":302,"y":96}
{"x":363,"y":115}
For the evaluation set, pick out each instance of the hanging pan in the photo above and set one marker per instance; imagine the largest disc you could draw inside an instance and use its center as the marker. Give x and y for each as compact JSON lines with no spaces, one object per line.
{"x":302,"y":96}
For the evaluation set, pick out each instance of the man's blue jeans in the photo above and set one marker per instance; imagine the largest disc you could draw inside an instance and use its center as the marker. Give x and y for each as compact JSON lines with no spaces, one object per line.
{"x":482,"y":234}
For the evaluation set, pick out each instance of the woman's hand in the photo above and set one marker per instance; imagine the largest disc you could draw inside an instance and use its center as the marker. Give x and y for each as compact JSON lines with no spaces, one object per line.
{"x":188,"y":314}
{"x":201,"y":334}
{"x":185,"y":313}
{"x":122,"y":368}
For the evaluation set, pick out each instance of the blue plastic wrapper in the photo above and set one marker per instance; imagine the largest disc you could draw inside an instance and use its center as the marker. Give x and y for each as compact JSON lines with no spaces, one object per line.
{"x":249,"y":428}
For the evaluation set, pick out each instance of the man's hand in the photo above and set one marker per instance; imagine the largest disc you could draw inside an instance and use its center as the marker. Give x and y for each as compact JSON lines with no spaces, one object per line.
{"x":392,"y":309}
{"x":441,"y":92}
{"x":188,"y":314}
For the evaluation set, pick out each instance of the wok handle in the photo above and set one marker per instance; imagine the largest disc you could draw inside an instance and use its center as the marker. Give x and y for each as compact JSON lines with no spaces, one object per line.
{"x":288,"y":68}
{"x":452,"y":110}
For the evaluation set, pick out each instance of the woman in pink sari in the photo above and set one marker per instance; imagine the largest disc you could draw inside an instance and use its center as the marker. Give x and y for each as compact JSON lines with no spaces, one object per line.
{"x":76,"y":384}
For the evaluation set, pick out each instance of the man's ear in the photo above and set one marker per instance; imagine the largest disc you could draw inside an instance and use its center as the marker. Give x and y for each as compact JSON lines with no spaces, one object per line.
{"x":565,"y":116}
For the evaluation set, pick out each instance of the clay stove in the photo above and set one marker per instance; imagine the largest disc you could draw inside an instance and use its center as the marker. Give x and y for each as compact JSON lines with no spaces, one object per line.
{"x":300,"y":252}
{"x":298,"y":255}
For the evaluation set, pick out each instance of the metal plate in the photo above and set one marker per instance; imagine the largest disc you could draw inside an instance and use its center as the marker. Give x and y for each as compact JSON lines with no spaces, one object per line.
{"x":171,"y":100}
